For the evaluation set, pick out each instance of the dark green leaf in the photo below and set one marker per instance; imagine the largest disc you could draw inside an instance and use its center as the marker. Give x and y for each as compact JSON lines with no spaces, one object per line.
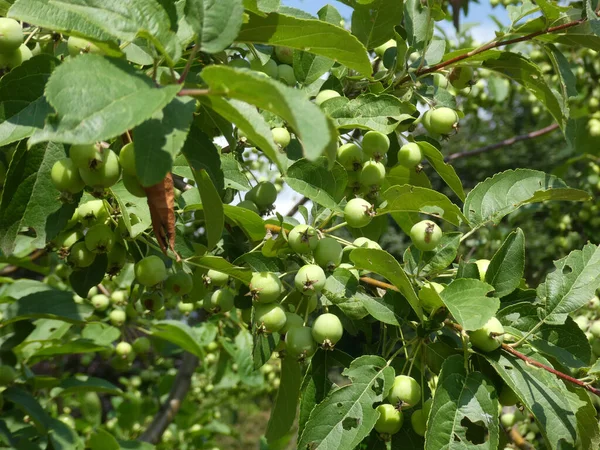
{"x":179,"y":334}
{"x":48,"y":304}
{"x":507,"y":265}
{"x":373,"y":24}
{"x":260,"y":263}
{"x":28,"y":404}
{"x":263,"y":346}
{"x":283,"y":413}
{"x":215,"y":23}
{"x":82,"y":280}
{"x":87,"y":384}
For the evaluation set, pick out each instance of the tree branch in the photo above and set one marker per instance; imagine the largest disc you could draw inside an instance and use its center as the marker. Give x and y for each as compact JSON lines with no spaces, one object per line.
{"x":297,"y":206}
{"x":168,"y":410}
{"x":504,"y":143}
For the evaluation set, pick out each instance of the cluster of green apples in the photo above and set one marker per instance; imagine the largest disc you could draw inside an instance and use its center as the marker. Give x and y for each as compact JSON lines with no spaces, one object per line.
{"x":13,"y":51}
{"x":281,"y":68}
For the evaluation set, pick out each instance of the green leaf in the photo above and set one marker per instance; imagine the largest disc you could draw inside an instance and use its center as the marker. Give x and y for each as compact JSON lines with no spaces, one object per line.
{"x":215,"y":23}
{"x":263,"y":345}
{"x":131,"y":205}
{"x":100,"y":333}
{"x":445,"y":171}
{"x":180,"y":334}
{"x":160,"y":138}
{"x":347,"y":415}
{"x":505,"y":192}
{"x":251,"y":122}
{"x":101,"y":439}
{"x":251,"y":223}
{"x":63,"y":437}
{"x":418,"y":262}
{"x":384,"y":264}
{"x":67,"y":348}
{"x":507,"y":265}
{"x":341,"y":289}
{"x":380,"y":308}
{"x":22,"y":105}
{"x":317,"y":182}
{"x":28,"y":404}
{"x":98,"y":98}
{"x":29,"y":199}
{"x":467,"y":301}
{"x":417,"y":199}
{"x":283,"y":413}
{"x":571,"y":285}
{"x":566,"y":343}
{"x":122,"y":19}
{"x":418,"y":24}
{"x":304,"y":117}
{"x":82,"y":280}
{"x":309,"y":67}
{"x":220,"y":264}
{"x":544,"y":395}
{"x":87,"y":384}
{"x":314,"y":36}
{"x":382,"y":112}
{"x":233,"y":175}
{"x":463,"y":407}
{"x":260,"y":263}
{"x":48,"y":304}
{"x":588,"y":430}
{"x":373,"y":24}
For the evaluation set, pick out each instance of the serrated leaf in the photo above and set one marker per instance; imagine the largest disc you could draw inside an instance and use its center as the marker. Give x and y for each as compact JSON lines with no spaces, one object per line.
{"x":159,"y":139}
{"x":418,"y":24}
{"x":180,"y":334}
{"x":252,"y":123}
{"x":588,"y":429}
{"x":496,"y":197}
{"x":128,"y":205}
{"x":566,"y":343}
{"x":347,"y":415}
{"x":418,"y":262}
{"x":314,"y":36}
{"x":29,"y":198}
{"x":384,"y":264}
{"x":445,"y":171}
{"x":341,"y":289}
{"x":263,"y":345}
{"x":283,"y":413}
{"x":306,"y":119}
{"x":415,"y":199}
{"x":379,"y":112}
{"x":82,"y":280}
{"x":47,"y":304}
{"x":544,"y":395}
{"x":467,"y":301}
{"x":373,"y":24}
{"x":216,"y":23}
{"x":380,"y":308}
{"x":462,"y":401}
{"x":507,"y":265}
{"x":317,"y":182}
{"x":98,"y":98}
{"x":571,"y":285}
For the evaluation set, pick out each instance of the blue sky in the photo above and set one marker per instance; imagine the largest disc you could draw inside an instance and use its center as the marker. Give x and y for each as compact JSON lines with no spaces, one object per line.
{"x":478,"y":13}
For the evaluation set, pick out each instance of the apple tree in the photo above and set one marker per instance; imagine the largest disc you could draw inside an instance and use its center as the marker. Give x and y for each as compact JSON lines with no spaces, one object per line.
{"x":149,"y":273}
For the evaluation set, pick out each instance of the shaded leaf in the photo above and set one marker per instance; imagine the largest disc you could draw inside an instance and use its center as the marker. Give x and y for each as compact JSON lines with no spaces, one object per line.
{"x":507,"y":265}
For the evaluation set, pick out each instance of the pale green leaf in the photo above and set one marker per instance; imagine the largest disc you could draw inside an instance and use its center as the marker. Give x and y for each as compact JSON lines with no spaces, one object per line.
{"x":467,"y":300}
{"x":507,"y":265}
{"x":180,"y":334}
{"x":215,"y":22}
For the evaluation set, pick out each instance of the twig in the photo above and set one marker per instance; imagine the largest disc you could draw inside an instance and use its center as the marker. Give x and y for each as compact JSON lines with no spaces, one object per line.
{"x":490,"y":46}
{"x":168,"y":410}
{"x":195,"y":92}
{"x":519,"y":440}
{"x":379,"y":284}
{"x":504,"y":143}
{"x":188,"y":65}
{"x":297,"y":206}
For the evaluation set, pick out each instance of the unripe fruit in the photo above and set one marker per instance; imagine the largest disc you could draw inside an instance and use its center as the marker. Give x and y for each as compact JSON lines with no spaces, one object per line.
{"x":441,"y":120}
{"x":133,"y":186}
{"x":358,"y":213}
{"x":123,"y":349}
{"x":11,"y":35}
{"x":595,"y":328}
{"x":390,"y":419}
{"x":460,"y":77}
{"x":150,"y":271}
{"x":310,"y":279}
{"x":325,"y":95}
{"x":179,"y":283}
{"x":427,"y":407}
{"x":117,"y":317}
{"x":185,"y":308}
{"x":247,"y":204}
{"x":100,"y":302}
{"x":418,"y":420}
{"x":77,"y":45}
{"x":16,"y":57}
{"x":91,"y":212}
{"x":216,"y":278}
{"x":582,"y":322}
{"x":86,"y":156}
{"x":239,"y":62}
{"x":379,"y":51}
{"x":508,"y":420}
{"x":425,"y":235}
{"x":285,"y":55}
{"x":292,"y":320}
{"x":364,"y":242}
{"x":328,"y":253}
{"x":127,"y":159}
{"x":488,"y":338}
{"x":281,"y":136}
{"x":271,"y":317}
{"x":269,"y":68}
{"x":7,"y":375}
{"x":405,"y":392}
{"x":429,"y":296}
{"x":350,"y":156}
{"x":482,"y":266}
{"x":118,"y":297}
{"x":507,"y":396}
{"x":67,"y":239}
{"x":265,"y":287}
{"x":100,"y":238}
{"x":265,"y":194}
{"x":65,"y":176}
{"x":141,"y":345}
{"x":375,"y":144}
{"x":300,"y":343}
{"x":80,"y":256}
{"x":152,"y":301}
{"x":285,"y":73}
{"x":220,"y":301}
{"x":327,"y":329}
{"x":246,"y":315}
{"x":303,"y":239}
{"x":410,"y":155}
{"x":372,"y":174}
{"x":106,"y":175}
